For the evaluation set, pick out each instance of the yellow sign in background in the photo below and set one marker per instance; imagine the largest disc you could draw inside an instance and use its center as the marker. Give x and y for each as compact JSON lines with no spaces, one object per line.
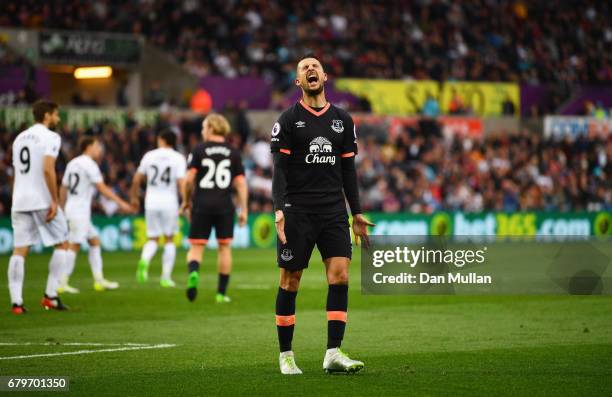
{"x":397,"y":97}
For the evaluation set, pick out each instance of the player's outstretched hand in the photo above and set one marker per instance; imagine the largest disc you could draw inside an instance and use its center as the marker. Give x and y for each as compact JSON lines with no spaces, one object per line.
{"x":52,"y":211}
{"x":242,"y":217}
{"x":185,"y":210}
{"x":360,"y":230}
{"x":125,"y":208}
{"x":280,"y":226}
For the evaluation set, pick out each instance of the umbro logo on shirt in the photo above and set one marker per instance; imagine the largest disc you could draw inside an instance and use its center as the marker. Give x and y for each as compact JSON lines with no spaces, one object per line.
{"x":300,"y":124}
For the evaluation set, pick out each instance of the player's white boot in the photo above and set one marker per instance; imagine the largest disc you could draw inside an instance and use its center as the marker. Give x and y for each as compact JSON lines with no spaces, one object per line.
{"x":337,"y":361}
{"x":104,"y":284}
{"x":287,"y":364}
{"x":66,"y":288}
{"x":167,"y":283}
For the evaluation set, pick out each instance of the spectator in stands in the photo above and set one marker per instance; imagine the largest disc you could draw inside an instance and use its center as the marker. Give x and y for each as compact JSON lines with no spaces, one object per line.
{"x":435,"y":40}
{"x":431,"y":107}
{"x":456,"y":105}
{"x":508,"y":108}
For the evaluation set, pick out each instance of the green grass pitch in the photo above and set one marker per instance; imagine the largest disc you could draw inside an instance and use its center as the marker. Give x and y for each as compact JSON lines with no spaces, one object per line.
{"x":411,"y":345}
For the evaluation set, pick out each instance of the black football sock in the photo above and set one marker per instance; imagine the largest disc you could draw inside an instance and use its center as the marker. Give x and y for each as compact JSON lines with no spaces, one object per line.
{"x":193,"y":266}
{"x":337,"y":305}
{"x":223,"y":281}
{"x":285,"y":318}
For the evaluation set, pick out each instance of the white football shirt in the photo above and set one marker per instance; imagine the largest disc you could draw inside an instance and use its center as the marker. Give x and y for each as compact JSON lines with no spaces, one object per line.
{"x":81,"y":177}
{"x":162,"y":168}
{"x":30,"y":192}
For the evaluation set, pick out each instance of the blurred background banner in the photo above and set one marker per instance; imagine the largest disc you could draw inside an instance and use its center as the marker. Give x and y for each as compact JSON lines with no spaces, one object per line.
{"x":394,"y":97}
{"x":254,"y":91}
{"x":87,"y":48}
{"x":573,"y":127}
{"x":126,"y":233}
{"x":15,"y":117}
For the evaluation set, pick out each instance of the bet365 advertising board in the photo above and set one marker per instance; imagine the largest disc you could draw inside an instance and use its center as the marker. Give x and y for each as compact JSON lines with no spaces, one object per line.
{"x":125,"y":233}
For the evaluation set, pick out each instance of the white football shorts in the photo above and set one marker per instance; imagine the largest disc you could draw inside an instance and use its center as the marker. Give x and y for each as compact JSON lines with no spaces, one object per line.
{"x":81,"y":230}
{"x":30,"y":227}
{"x":161,"y":222}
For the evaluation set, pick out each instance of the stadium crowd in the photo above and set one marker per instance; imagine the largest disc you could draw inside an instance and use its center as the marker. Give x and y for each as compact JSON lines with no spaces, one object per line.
{"x":420,"y":171}
{"x":416,"y":170}
{"x":506,"y":40}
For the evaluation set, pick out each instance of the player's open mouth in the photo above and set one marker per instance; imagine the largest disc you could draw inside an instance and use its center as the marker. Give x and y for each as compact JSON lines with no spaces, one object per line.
{"x":313,"y":78}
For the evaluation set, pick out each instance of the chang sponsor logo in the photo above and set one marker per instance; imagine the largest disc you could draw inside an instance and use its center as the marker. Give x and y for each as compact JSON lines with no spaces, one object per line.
{"x":318,"y":148}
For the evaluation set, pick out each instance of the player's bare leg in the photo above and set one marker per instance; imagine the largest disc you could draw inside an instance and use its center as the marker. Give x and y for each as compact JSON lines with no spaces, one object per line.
{"x":168,"y":258}
{"x":96,"y":264}
{"x":16,"y":273}
{"x":285,"y":319}
{"x":335,"y":360}
{"x":148,"y":252}
{"x":224,"y":265}
{"x":194,"y":258}
{"x":71,"y":255}
{"x":57,"y":264}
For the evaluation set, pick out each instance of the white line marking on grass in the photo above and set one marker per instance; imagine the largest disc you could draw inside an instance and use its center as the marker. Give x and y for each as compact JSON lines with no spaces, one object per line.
{"x":254,"y":286}
{"x":117,"y":349}
{"x":70,"y":344}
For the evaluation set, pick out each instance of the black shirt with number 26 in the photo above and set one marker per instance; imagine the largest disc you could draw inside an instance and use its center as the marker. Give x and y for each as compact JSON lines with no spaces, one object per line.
{"x":216,"y":165}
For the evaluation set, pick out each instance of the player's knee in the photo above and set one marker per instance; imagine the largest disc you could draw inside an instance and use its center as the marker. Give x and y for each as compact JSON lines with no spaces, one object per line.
{"x":195,"y":253}
{"x":20,"y":251}
{"x":290,"y":281}
{"x":63,"y":246}
{"x":339,"y":276}
{"x":225,"y":246}
{"x":290,"y":285}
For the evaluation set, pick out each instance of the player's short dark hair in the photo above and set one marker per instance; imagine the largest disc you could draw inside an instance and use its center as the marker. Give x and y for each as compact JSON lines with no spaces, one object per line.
{"x":169,"y":137}
{"x":86,"y":141}
{"x":42,"y":107}
{"x":310,"y":55}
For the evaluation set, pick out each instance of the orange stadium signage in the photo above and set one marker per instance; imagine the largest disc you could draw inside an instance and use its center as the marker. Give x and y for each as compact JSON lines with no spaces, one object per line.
{"x":471,"y":127}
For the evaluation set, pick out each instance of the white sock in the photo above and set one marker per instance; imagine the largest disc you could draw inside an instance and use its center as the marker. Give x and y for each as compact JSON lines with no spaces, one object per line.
{"x":148,"y":251}
{"x":57,"y":264}
{"x":16,"y":272}
{"x":70,"y":262}
{"x":168,"y":260}
{"x":95,"y":262}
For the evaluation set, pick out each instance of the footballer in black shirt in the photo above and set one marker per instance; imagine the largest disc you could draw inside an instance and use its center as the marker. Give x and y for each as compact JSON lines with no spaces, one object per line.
{"x":314,"y":145}
{"x":215,"y":170}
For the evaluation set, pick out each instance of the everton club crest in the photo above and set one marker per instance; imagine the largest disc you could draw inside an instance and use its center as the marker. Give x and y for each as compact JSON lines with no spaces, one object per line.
{"x":337,"y":126}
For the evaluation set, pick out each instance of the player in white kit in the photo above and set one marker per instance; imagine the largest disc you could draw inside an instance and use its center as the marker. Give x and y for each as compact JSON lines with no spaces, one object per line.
{"x":164,"y":171}
{"x":81,"y":180}
{"x":35,"y":214}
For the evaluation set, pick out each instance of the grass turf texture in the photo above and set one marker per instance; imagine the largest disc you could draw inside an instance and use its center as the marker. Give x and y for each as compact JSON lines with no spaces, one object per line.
{"x":419,"y":345}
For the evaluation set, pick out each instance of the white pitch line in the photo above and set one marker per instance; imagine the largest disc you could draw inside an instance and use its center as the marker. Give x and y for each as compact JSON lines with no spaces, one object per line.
{"x":254,"y":286}
{"x":118,"y":349}
{"x":70,"y":344}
